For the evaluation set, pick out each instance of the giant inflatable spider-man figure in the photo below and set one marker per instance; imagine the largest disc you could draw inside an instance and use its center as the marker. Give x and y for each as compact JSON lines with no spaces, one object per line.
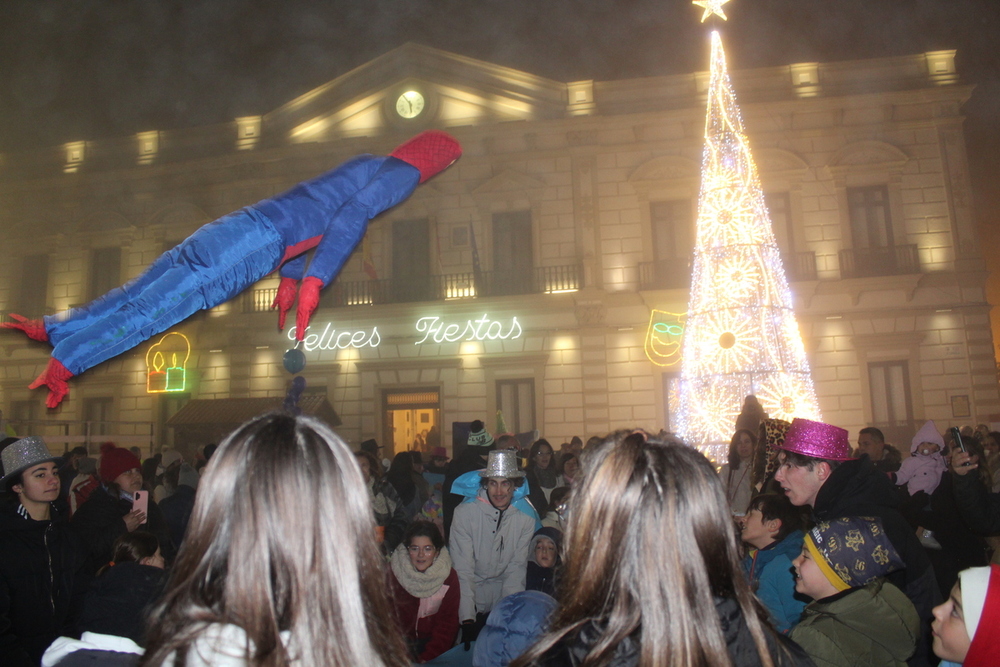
{"x":329,"y":213}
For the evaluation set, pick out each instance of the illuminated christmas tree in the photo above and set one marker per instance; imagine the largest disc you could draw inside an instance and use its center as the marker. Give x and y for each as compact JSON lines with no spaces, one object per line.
{"x":741,"y":337}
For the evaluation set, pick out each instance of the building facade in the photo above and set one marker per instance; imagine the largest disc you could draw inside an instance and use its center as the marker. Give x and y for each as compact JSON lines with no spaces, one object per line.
{"x":578,"y":200}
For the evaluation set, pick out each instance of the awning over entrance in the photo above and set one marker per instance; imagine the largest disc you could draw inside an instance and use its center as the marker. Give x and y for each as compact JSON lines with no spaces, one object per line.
{"x":205,"y":420}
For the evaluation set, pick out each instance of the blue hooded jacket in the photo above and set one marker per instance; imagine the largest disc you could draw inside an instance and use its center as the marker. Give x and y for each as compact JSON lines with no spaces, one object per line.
{"x":515,"y":623}
{"x":770,"y":574}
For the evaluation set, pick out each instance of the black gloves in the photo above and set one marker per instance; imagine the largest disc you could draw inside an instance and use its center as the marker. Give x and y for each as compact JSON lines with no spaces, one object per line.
{"x":469,"y":633}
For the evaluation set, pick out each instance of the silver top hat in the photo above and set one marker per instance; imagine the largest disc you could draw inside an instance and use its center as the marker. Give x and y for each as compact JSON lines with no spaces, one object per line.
{"x":24,"y":453}
{"x":502,"y":463}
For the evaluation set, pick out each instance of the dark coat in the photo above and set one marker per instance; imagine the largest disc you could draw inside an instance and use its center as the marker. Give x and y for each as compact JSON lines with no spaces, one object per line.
{"x":176,"y":510}
{"x":394,"y":523}
{"x":536,"y":495}
{"x":99,"y":522}
{"x":88,"y":657}
{"x":961,"y":548}
{"x":890,"y":461}
{"x":42,"y":583}
{"x":571,"y":651}
{"x":979,"y":507}
{"x":117,"y":602}
{"x":857,"y":489}
{"x":543,"y":578}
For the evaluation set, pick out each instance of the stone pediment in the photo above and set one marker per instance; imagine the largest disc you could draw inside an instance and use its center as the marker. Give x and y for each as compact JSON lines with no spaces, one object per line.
{"x":181,"y":217}
{"x":868,"y":154}
{"x":778,"y":161}
{"x":102,"y":221}
{"x":456,"y":91}
{"x":509,"y":181}
{"x":666,"y":168}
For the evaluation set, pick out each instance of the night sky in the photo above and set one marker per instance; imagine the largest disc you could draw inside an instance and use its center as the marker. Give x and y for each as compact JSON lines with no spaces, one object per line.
{"x":86,"y":69}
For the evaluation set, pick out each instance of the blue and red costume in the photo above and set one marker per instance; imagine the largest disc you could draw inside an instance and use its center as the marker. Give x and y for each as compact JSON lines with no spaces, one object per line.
{"x":329,"y":213}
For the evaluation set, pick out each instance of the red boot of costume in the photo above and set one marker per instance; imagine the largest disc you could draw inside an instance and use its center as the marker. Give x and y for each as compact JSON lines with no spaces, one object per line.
{"x":284,"y":299}
{"x":308,"y":300}
{"x":34,"y":328}
{"x":54,"y":377}
{"x":431,"y":152}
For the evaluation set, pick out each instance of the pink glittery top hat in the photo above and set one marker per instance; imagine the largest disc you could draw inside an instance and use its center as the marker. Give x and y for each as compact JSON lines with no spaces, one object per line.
{"x":818,"y":440}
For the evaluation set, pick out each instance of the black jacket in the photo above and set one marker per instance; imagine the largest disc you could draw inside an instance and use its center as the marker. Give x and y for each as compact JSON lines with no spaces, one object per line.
{"x":42,"y":583}
{"x":979,"y":507}
{"x":99,"y":522}
{"x":571,"y":651}
{"x":118,"y":600}
{"x":536,"y":495}
{"x":176,"y":510}
{"x":961,"y":548}
{"x":857,"y":489}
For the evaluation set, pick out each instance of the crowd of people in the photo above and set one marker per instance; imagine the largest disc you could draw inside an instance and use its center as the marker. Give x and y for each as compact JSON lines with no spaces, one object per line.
{"x":284,"y":547}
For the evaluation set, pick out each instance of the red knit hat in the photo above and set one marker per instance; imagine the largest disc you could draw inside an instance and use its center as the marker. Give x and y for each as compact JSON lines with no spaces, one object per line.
{"x":431,"y":152}
{"x":115,"y":461}
{"x":985,"y":645}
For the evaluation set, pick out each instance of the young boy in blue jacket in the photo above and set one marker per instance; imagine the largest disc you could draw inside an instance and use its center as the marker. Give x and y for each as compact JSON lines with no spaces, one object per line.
{"x":772,"y":528}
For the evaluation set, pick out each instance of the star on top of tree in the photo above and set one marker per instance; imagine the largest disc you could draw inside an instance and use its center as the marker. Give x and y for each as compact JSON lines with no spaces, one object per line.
{"x":711,"y":7}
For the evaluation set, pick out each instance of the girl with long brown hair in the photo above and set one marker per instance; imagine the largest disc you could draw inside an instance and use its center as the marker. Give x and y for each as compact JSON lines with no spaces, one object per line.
{"x":279,"y":565}
{"x":652,"y":576}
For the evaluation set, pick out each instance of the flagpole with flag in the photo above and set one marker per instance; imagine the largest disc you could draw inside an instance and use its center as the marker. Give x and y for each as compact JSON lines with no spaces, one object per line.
{"x":367,"y":263}
{"x":477,"y":269}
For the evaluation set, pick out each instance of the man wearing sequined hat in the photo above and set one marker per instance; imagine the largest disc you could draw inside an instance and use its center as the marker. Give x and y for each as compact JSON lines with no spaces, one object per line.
{"x":816,"y":468}
{"x":856,"y":617}
{"x":41,"y":578}
{"x":489,"y":539}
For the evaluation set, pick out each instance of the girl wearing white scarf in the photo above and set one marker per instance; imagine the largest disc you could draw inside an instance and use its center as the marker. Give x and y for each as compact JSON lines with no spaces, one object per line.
{"x":425,"y":591}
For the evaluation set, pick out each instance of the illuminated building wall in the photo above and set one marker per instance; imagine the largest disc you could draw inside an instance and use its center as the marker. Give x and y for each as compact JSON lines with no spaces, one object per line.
{"x":599,"y":181}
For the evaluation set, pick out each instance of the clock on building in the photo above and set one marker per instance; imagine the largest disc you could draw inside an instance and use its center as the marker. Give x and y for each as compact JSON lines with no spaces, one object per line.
{"x":410,"y":104}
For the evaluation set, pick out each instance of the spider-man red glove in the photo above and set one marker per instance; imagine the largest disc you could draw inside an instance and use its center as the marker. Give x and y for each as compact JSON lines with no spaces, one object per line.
{"x":308,"y":300}
{"x":34,"y":328}
{"x":284,"y":299}
{"x":54,"y":377}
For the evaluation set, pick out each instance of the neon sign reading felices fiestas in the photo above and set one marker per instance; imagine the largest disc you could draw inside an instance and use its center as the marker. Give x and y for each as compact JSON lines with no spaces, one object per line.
{"x":434,"y":330}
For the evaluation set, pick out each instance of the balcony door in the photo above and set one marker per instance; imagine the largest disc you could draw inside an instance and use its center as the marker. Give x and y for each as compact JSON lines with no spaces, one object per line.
{"x":892,"y":406}
{"x":673,"y":242}
{"x":874,"y":251}
{"x":411,"y":260}
{"x":513,"y":260}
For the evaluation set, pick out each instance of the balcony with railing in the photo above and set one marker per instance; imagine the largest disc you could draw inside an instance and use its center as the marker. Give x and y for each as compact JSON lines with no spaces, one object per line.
{"x":542,"y":280}
{"x":800,"y":266}
{"x":873,"y":262}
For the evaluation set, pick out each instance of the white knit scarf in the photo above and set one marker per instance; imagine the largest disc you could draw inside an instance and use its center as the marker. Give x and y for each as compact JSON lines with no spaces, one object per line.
{"x":420,"y":584}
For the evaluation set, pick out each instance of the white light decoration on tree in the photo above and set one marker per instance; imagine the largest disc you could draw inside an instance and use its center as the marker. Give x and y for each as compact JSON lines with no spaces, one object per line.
{"x":741,"y":336}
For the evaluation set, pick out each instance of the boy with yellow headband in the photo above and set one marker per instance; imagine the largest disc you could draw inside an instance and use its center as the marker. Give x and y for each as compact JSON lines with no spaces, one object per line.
{"x":856,"y":617}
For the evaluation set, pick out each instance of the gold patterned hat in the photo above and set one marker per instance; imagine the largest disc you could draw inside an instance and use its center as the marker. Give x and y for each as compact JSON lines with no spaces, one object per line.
{"x":852,"y":552}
